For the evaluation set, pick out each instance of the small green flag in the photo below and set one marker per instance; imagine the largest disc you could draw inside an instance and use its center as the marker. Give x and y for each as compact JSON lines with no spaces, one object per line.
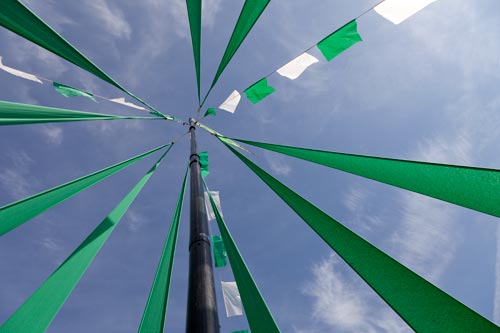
{"x":68,"y":91}
{"x":204,"y":163}
{"x":340,"y":40}
{"x":220,"y":253}
{"x":258,"y":91}
{"x":210,"y":111}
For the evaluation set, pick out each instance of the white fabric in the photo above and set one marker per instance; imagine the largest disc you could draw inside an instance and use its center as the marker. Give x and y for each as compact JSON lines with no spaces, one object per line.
{"x":208,"y":205}
{"x":232,"y":299}
{"x":19,"y":73}
{"x":397,"y":11}
{"x":121,"y":101}
{"x":297,"y":66}
{"x":231,"y":103}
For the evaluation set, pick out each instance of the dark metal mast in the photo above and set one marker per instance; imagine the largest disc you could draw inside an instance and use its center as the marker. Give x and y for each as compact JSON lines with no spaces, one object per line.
{"x":202,"y":314}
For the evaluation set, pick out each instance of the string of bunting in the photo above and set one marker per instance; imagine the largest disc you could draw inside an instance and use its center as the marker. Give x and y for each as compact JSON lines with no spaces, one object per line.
{"x":395,"y":11}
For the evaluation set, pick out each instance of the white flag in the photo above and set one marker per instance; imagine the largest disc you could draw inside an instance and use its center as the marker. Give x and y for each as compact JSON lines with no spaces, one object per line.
{"x":297,"y":66}
{"x":397,"y":11}
{"x":121,"y":101}
{"x":231,"y":103}
{"x":19,"y":73}
{"x":208,"y":205}
{"x":232,"y":299}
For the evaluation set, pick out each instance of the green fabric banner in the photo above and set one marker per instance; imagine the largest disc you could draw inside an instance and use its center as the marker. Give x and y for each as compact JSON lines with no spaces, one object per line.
{"x":153,"y":319}
{"x":194,"y":13}
{"x":258,"y":314}
{"x":68,"y":91}
{"x":38,"y":311}
{"x":18,"y":18}
{"x":204,"y":163}
{"x":258,"y":91}
{"x":220,"y":253}
{"x":19,"y":212}
{"x":21,"y":114}
{"x":340,"y":40}
{"x":210,"y":112}
{"x":250,"y":13}
{"x":424,"y":307}
{"x":474,"y":188}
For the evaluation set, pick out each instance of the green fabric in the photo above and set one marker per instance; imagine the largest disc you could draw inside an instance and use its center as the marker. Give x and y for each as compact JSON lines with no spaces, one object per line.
{"x":220,"y":253}
{"x":424,"y":307}
{"x":68,"y":91}
{"x":474,"y":188}
{"x":210,"y":111}
{"x":258,"y":91}
{"x":250,"y":13}
{"x":340,"y":40}
{"x":243,"y":331}
{"x":19,"y":212}
{"x":194,"y":13}
{"x":20,"y":114}
{"x":38,"y":311}
{"x":153,"y":318}
{"x":222,"y":137}
{"x":204,"y":163}
{"x":258,"y":314}
{"x":19,"y":19}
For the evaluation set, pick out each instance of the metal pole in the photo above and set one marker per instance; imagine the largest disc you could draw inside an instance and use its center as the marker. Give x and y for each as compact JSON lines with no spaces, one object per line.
{"x":202,"y":306}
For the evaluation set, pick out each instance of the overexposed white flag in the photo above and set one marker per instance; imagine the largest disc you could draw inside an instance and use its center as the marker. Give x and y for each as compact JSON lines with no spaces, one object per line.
{"x":121,"y":101}
{"x":297,"y":66}
{"x":232,"y":299}
{"x":231,"y":103}
{"x":208,"y":205}
{"x":19,"y":73}
{"x":397,"y":11}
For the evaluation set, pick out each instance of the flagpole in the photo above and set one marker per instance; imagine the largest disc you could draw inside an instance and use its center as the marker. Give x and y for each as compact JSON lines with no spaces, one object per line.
{"x":202,"y":314}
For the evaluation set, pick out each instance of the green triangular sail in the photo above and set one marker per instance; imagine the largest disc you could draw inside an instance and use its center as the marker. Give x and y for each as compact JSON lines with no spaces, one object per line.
{"x":38,"y":311}
{"x":194,"y":13}
{"x":21,"y":114}
{"x":259,"y":316}
{"x":424,"y":307}
{"x":19,"y":212}
{"x":474,"y":188}
{"x":153,"y":319}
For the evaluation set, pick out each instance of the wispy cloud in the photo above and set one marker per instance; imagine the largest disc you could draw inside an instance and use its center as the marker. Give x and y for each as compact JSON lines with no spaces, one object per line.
{"x":278,"y":166}
{"x":134,"y":220}
{"x":16,"y":180}
{"x":53,"y":134}
{"x":112,"y":18}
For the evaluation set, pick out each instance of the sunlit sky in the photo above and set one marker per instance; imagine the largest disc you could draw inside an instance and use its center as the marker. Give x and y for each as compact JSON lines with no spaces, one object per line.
{"x":426,"y":89}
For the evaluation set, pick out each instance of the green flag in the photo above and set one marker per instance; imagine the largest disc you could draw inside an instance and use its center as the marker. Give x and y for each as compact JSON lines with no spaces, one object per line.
{"x":219,"y":251}
{"x":38,"y":311}
{"x":424,"y":307}
{"x":204,"y":163}
{"x":210,"y":111}
{"x":19,"y":212}
{"x":340,"y":40}
{"x":21,"y":114}
{"x":258,"y":91}
{"x":474,"y":188}
{"x":259,"y":316}
{"x":155,"y":311}
{"x":194,"y":13}
{"x":68,"y":91}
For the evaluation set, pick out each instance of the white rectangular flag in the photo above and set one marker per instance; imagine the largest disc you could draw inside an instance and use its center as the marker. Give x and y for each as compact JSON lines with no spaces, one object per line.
{"x":19,"y":73}
{"x":297,"y":66}
{"x":231,"y":103}
{"x":397,"y":11}
{"x":208,"y":205}
{"x":121,"y":101}
{"x":232,"y":299}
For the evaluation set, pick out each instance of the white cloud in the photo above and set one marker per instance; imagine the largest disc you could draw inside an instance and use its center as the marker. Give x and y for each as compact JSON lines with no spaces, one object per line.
{"x":112,"y":17}
{"x":16,"y":180}
{"x":278,"y":165}
{"x":134,"y":220}
{"x":210,"y":9}
{"x":53,"y":134}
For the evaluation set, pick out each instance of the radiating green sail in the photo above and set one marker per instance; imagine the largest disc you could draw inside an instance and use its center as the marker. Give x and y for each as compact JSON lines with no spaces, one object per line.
{"x":252,"y":9}
{"x":21,"y":114}
{"x":474,"y":188}
{"x":194,"y":13}
{"x":424,"y":307}
{"x":38,"y":311}
{"x":153,"y":319}
{"x":19,"y":212}
{"x":259,"y":316}
{"x":340,"y":40}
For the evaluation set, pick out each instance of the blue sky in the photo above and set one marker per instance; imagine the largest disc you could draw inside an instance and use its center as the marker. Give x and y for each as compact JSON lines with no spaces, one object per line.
{"x":426,"y":89}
